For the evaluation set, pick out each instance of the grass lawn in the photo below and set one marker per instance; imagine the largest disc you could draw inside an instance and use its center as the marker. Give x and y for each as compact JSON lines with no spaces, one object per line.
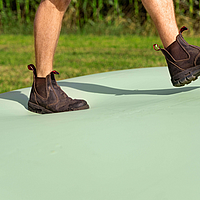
{"x":78,"y":55}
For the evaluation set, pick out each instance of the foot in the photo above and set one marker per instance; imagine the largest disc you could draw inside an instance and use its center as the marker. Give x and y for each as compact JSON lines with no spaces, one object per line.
{"x":52,"y":98}
{"x":183,"y":60}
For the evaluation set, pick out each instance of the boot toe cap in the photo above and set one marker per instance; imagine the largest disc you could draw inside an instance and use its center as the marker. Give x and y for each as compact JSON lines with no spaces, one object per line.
{"x":79,"y":105}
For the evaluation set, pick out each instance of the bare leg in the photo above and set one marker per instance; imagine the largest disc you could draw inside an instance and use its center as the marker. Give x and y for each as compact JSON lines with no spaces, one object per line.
{"x":163,"y":16}
{"x":183,"y":60}
{"x":47,"y":27}
{"x":46,"y":96}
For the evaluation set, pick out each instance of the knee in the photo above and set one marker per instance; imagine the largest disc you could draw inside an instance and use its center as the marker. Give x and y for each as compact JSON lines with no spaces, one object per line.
{"x":61,"y":5}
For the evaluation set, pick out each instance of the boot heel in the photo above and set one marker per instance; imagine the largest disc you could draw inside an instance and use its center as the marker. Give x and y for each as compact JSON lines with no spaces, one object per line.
{"x":37,"y":108}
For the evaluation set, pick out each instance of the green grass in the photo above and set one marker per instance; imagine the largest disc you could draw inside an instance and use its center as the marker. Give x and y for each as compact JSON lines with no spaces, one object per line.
{"x":78,"y":55}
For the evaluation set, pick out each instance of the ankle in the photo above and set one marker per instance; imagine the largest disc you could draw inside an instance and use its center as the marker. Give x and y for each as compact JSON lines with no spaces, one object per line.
{"x":177,"y":51}
{"x":43,"y":72}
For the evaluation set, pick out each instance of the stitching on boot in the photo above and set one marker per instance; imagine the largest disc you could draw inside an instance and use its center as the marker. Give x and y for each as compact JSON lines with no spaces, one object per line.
{"x":175,"y":65}
{"x":39,"y":94}
{"x":35,"y":98}
{"x":184,"y":48}
{"x":195,"y":60}
{"x":181,"y":38}
{"x":54,"y":93}
{"x":165,"y":51}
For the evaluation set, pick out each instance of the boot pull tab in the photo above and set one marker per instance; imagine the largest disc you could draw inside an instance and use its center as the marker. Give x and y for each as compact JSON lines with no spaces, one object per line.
{"x":55,"y":72}
{"x":183,"y":29}
{"x":32,"y":67}
{"x":156,"y":47}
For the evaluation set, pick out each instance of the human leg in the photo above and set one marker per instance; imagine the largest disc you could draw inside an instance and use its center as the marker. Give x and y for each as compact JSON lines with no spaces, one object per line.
{"x":163,"y":16}
{"x":46,"y":96}
{"x":47,"y":27}
{"x":183,"y":59}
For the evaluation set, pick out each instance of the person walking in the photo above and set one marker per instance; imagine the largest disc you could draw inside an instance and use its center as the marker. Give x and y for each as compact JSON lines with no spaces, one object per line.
{"x":47,"y":97}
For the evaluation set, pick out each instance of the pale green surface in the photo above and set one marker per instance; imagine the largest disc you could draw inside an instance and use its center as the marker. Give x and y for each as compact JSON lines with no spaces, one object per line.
{"x":139,"y":141}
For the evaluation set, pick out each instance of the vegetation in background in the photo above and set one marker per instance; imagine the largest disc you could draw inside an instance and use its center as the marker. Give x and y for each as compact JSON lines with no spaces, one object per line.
{"x":97,"y":16}
{"x":78,"y":55}
{"x":75,"y":56}
{"x":108,"y":41}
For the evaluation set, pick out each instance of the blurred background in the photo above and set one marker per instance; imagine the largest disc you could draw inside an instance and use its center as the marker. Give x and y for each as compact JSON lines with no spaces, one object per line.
{"x":97,"y":16}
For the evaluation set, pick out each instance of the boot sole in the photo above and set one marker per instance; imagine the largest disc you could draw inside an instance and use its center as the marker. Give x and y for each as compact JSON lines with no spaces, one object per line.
{"x":186,"y":77}
{"x":41,"y":110}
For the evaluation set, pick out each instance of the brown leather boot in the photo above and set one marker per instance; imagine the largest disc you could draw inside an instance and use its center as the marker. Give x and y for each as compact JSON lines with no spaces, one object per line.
{"x":53,"y":99}
{"x":183,"y":60}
